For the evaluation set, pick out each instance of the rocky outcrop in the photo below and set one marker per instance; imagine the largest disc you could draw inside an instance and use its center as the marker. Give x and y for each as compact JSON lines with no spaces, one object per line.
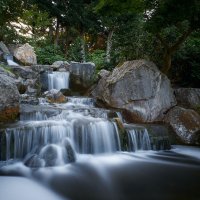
{"x":55,"y":96}
{"x":139,"y":88}
{"x":24,"y":72}
{"x":9,"y":99}
{"x":25,"y":55}
{"x":188,"y":97}
{"x":185,"y":123}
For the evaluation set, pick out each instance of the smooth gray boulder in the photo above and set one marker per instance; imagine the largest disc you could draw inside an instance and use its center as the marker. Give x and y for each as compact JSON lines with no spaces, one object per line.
{"x":185,"y":123}
{"x":188,"y":97}
{"x":139,"y":88}
{"x":9,"y":99}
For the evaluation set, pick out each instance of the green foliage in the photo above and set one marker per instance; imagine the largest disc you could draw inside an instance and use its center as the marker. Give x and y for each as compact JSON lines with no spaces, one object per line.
{"x":97,"y":57}
{"x":10,"y":10}
{"x":186,"y":63}
{"x":36,"y":20}
{"x":131,"y":41}
{"x":74,"y":51}
{"x":48,"y":54}
{"x":173,"y":12}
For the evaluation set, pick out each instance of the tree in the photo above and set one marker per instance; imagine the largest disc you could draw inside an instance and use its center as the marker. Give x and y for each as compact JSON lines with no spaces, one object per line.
{"x":10,"y":11}
{"x":180,"y":16}
{"x":110,"y":12}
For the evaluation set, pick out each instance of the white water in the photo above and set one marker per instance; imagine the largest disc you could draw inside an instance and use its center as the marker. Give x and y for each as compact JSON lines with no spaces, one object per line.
{"x":54,"y":135}
{"x":139,"y":139}
{"x":11,"y":62}
{"x":12,"y":188}
{"x":57,"y":134}
{"x":58,"y":80}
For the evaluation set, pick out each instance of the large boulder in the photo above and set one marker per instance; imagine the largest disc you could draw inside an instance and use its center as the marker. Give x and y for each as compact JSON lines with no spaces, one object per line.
{"x":81,"y":74}
{"x":188,"y":97}
{"x":9,"y":99}
{"x":185,"y":123}
{"x":25,"y":55}
{"x":139,"y":88}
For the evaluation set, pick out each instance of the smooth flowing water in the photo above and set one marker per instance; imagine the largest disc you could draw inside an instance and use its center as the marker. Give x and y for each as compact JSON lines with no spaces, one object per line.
{"x":77,"y":151}
{"x":58,"y":80}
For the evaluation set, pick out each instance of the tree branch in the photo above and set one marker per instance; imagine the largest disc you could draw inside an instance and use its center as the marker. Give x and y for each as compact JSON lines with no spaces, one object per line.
{"x":180,"y":40}
{"x":162,"y":41}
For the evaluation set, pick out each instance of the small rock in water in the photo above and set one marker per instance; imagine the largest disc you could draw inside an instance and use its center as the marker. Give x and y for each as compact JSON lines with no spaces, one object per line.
{"x":34,"y":162}
{"x":66,"y":92}
{"x":71,"y":156}
{"x":55,"y":96}
{"x":49,"y":154}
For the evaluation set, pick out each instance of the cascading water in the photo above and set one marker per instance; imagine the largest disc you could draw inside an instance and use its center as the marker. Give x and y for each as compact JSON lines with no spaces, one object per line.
{"x":10,"y":61}
{"x":49,"y":138}
{"x":58,"y":80}
{"x":138,"y":139}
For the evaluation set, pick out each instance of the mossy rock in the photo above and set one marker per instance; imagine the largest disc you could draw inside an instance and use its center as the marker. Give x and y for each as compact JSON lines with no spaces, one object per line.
{"x":9,"y":114}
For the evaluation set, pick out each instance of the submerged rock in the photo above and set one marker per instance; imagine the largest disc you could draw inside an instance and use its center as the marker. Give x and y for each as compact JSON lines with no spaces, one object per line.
{"x":50,"y":155}
{"x":9,"y":99}
{"x":139,"y":88}
{"x":25,"y":55}
{"x":185,"y":123}
{"x":71,"y":155}
{"x":34,"y":161}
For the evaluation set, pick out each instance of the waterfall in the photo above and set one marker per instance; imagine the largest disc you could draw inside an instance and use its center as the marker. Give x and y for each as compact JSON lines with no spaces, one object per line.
{"x":58,"y":80}
{"x":90,"y":137}
{"x":10,"y":61}
{"x":138,"y":139}
{"x":82,"y":101}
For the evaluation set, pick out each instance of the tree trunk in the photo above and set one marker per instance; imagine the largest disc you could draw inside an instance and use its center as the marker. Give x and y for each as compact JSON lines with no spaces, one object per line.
{"x":170,"y":50}
{"x":83,"y":56}
{"x":50,"y":34}
{"x":56,"y":39}
{"x":109,"y":46}
{"x":167,"y":61}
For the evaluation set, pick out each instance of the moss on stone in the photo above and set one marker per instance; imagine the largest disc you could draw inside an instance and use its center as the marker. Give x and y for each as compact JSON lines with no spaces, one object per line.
{"x":9,"y":114}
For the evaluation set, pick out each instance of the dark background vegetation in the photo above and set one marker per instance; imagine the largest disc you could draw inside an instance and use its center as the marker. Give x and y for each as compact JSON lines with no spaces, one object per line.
{"x":109,"y":32}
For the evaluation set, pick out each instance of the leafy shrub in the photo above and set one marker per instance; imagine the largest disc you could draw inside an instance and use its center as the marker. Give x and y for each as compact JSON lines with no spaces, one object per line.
{"x":49,"y":54}
{"x":97,"y":57}
{"x":74,"y":51}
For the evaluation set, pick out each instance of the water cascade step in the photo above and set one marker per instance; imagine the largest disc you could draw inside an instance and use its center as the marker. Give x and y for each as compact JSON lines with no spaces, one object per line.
{"x":138,"y":139}
{"x":58,"y":80}
{"x":56,"y":134}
